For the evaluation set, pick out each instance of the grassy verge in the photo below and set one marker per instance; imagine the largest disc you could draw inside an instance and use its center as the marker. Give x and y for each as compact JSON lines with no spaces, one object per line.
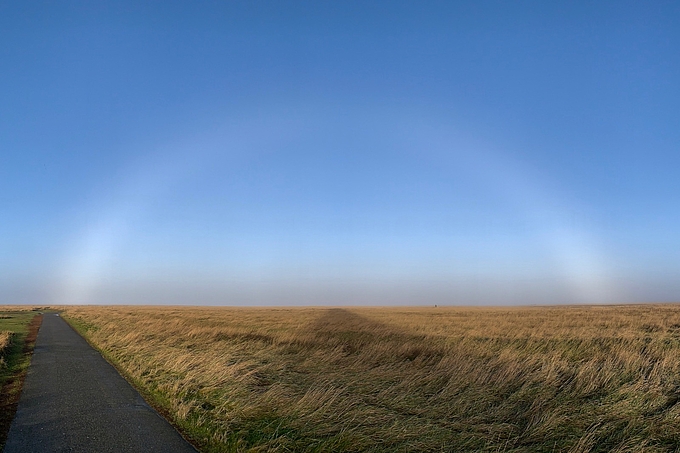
{"x":18,"y":332}
{"x":158,"y":400}
{"x":578,"y":379}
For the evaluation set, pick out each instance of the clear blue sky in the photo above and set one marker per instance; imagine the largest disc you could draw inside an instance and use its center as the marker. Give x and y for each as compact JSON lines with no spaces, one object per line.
{"x":339,"y":152}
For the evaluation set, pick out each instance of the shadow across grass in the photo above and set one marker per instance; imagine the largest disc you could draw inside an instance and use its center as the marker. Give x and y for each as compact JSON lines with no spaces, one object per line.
{"x":581,"y":379}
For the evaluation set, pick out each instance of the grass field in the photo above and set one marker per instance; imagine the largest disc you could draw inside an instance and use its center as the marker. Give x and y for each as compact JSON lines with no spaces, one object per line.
{"x":18,"y":331}
{"x":576,"y":379}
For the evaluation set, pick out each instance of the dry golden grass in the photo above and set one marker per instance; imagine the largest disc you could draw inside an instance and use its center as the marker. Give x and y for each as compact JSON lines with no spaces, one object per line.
{"x":5,"y":341}
{"x":576,"y":379}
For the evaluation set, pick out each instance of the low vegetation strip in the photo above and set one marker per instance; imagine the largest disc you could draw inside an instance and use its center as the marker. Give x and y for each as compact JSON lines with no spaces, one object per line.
{"x":579,"y":379}
{"x":18,"y":332}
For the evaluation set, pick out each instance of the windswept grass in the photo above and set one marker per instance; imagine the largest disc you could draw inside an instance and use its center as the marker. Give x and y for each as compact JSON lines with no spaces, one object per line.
{"x":579,"y":379}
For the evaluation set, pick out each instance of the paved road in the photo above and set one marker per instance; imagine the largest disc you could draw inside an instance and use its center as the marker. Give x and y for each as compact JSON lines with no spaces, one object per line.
{"x":74,"y":401}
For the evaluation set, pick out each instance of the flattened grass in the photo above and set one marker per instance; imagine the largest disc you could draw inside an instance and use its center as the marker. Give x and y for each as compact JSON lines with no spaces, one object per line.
{"x":580,"y":379}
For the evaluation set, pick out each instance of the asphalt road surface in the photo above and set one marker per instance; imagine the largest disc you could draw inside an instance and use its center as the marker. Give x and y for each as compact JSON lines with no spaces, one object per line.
{"x":75,"y":401}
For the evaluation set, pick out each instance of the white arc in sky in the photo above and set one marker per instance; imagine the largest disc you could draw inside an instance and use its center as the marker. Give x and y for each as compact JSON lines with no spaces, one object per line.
{"x":87,"y":267}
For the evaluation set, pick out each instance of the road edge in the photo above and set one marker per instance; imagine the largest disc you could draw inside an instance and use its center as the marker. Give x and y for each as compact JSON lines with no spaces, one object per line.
{"x":152,"y":399}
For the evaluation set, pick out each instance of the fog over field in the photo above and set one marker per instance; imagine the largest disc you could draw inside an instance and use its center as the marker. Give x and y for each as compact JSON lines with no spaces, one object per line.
{"x":256,"y":153}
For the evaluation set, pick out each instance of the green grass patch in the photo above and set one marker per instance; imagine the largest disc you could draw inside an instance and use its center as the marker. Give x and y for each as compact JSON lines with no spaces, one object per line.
{"x":18,"y":331}
{"x":14,"y":359}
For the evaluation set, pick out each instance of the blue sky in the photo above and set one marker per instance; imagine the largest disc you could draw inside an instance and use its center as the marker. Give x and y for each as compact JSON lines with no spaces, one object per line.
{"x":339,"y":152}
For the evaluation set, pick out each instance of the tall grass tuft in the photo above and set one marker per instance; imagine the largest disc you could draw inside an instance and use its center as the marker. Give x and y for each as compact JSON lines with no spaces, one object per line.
{"x":5,"y":342}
